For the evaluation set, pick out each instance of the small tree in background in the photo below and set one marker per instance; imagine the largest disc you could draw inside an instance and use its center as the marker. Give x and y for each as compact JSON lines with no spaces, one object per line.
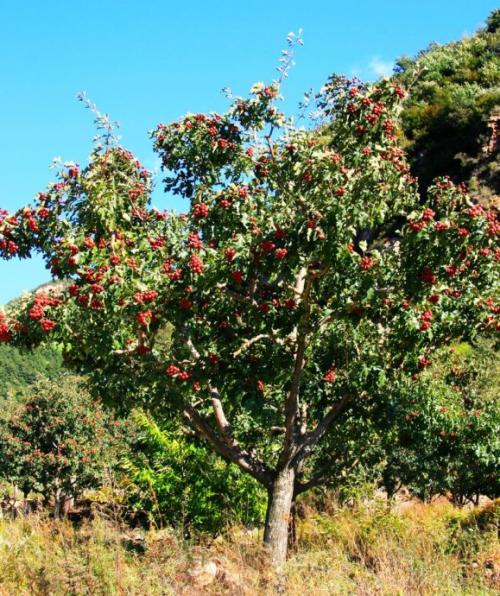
{"x":444,"y":437}
{"x":285,"y":319}
{"x":57,"y":442}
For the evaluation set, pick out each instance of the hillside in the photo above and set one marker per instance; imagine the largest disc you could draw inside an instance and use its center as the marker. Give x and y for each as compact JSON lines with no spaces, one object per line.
{"x":452,"y":115}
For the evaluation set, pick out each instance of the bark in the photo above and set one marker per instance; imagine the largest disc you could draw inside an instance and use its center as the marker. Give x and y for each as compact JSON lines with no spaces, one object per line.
{"x":278,"y":516}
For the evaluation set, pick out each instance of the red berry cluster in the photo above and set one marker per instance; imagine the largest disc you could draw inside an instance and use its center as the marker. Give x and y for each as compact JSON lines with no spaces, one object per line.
{"x":5,"y":335}
{"x":330,"y":376}
{"x":145,"y":297}
{"x":145,"y":318}
{"x":200,"y":210}
{"x":425,"y":320}
{"x":367,"y":263}
{"x":196,"y":264}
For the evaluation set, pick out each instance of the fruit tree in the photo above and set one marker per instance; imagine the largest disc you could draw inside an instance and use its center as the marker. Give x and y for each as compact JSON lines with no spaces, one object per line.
{"x":303,"y":280}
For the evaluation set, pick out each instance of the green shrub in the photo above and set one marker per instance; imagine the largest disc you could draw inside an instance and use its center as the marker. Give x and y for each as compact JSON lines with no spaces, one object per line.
{"x":182,"y":483}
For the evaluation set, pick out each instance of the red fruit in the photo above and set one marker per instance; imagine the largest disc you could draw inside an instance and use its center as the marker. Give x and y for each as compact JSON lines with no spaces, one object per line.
{"x":194,"y":241}
{"x":196,"y":264}
{"x":185,"y":304}
{"x":279,"y":234}
{"x":417,"y":226}
{"x":175,"y":274}
{"x":144,"y":318}
{"x":237,"y":276}
{"x":267,"y":246}
{"x":200,"y":210}
{"x":36,"y":312}
{"x":47,"y":325}
{"x":230,"y":253}
{"x":145,"y":297}
{"x":433,"y":298}
{"x":427,"y":276}
{"x":367,"y":263}
{"x":475,"y":211}
{"x":281,"y":253}
{"x":114,"y":259}
{"x":156,"y":243}
{"x":441,"y":226}
{"x":428,"y":214}
{"x":88,"y":242}
{"x":330,"y":376}
{"x":340,"y":192}
{"x":173,"y":370}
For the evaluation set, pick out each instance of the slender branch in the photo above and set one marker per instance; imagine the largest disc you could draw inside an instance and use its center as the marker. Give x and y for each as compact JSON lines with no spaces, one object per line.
{"x":313,"y":437}
{"x":227,"y":446}
{"x":233,"y":454}
{"x":220,"y":418}
{"x":318,"y":478}
{"x":303,"y":286}
{"x":249,"y":342}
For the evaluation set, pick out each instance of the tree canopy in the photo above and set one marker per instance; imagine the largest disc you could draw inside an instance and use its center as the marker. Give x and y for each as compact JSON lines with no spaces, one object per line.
{"x":261,"y":314}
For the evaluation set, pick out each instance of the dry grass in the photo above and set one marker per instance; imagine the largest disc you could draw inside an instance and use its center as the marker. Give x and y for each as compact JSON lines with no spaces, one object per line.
{"x":423,"y":549}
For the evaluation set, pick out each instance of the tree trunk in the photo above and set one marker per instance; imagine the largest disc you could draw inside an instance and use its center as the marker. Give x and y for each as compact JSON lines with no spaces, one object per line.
{"x":279,"y":508}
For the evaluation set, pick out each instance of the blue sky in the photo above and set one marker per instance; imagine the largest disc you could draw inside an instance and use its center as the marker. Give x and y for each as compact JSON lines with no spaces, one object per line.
{"x":152,"y":61}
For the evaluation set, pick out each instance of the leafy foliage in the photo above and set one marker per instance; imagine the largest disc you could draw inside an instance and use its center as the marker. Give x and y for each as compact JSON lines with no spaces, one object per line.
{"x":454,"y":91}
{"x":57,"y":441}
{"x":184,"y":484}
{"x":20,"y":370}
{"x":447,"y":439}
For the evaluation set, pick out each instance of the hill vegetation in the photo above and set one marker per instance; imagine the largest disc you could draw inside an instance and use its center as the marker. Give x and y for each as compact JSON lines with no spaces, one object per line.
{"x":451,"y":119}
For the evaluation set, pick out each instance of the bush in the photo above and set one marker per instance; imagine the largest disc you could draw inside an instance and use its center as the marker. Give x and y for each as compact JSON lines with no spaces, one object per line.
{"x":182,"y":483}
{"x":56,"y":442}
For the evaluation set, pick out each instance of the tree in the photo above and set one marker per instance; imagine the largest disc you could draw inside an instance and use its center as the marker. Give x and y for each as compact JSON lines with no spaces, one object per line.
{"x":285,"y":318}
{"x":56,"y":442}
{"x":445,"y":433}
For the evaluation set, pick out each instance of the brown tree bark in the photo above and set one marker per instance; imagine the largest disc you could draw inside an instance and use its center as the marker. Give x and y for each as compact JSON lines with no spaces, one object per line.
{"x":279,"y":508}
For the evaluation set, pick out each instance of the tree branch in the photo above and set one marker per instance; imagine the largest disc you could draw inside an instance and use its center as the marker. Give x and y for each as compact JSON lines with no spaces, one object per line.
{"x":313,"y":437}
{"x":232,"y":454}
{"x":227,"y":446}
{"x":303,"y":286}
